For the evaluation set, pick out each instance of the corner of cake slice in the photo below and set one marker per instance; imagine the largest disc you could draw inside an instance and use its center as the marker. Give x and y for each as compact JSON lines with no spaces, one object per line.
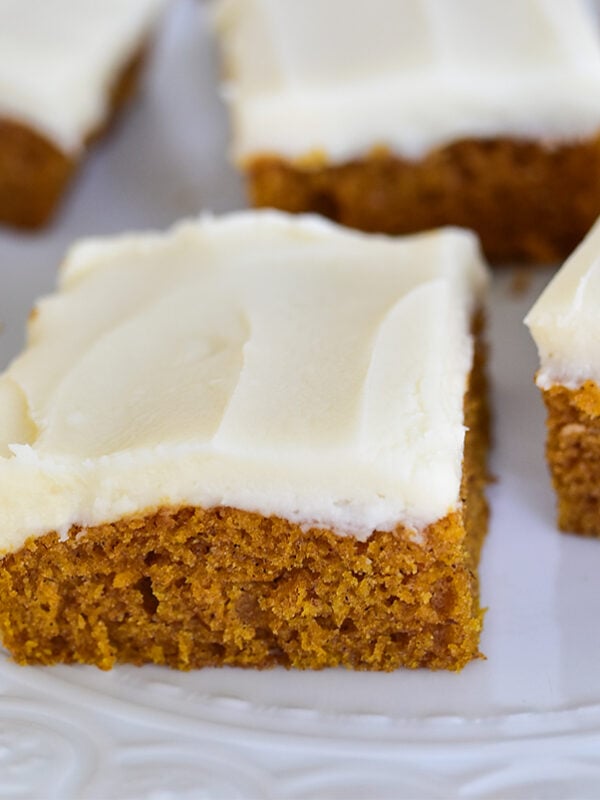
{"x":250,"y":440}
{"x":565,"y":324}
{"x":67,"y":67}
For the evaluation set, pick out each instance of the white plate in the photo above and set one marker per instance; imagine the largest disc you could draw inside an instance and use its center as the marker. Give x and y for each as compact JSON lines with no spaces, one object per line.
{"x":524,"y":723}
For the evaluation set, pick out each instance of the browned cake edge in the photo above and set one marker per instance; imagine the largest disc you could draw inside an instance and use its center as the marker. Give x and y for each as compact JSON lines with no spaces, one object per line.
{"x":192,"y":587}
{"x":526,"y":200}
{"x":34,"y":172}
{"x":573,"y":452}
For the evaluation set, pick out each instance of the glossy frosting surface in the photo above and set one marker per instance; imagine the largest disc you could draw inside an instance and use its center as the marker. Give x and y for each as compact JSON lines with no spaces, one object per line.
{"x":59,"y":60}
{"x":276,"y":364}
{"x":565,"y":321}
{"x":336,"y":79}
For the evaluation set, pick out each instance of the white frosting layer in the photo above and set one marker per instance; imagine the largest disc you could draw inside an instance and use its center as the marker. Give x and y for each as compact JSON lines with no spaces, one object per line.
{"x":275,"y":364}
{"x":565,"y":321}
{"x":341,"y":77}
{"x":59,"y":60}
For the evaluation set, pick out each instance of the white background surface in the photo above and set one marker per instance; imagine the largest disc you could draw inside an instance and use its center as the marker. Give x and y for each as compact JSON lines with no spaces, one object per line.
{"x":525,"y":723}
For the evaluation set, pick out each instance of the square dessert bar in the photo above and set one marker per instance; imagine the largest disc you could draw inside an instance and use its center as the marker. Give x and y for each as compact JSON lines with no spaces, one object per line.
{"x":253,"y":440}
{"x":565,"y":323}
{"x":404,"y":115}
{"x":66,"y":68}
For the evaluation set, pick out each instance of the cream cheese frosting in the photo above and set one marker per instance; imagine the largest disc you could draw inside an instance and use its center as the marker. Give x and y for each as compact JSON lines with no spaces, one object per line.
{"x":341,"y":77}
{"x":565,"y":321}
{"x":276,"y":364}
{"x":59,"y":60}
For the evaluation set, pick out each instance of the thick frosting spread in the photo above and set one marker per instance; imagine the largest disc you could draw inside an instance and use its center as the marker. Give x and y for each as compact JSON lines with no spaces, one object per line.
{"x":341,"y":77}
{"x":275,"y":364}
{"x":565,"y":321}
{"x":60,"y":58}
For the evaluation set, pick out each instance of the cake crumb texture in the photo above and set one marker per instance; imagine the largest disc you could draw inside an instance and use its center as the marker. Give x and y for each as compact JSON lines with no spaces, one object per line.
{"x":192,"y":587}
{"x":573,"y":452}
{"x":526,"y":200}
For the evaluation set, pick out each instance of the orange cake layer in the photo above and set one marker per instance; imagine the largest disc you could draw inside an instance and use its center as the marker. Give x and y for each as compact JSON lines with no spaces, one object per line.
{"x":573,"y":452}
{"x":527,"y":201}
{"x":35,"y":172}
{"x":191,"y":587}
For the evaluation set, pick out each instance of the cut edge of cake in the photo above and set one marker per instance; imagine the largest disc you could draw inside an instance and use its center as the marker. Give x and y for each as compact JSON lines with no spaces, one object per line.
{"x":44,"y":136}
{"x":563,"y":323}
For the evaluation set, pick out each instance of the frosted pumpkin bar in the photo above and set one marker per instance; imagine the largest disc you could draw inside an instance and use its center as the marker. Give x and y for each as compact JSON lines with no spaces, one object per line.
{"x":252,"y":440}
{"x":66,"y":68}
{"x":403,"y":115}
{"x":565,"y":323}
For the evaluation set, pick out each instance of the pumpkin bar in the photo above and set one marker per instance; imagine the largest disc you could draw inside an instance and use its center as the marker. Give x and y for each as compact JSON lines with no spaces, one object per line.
{"x":66,"y":69}
{"x":252,"y":440}
{"x":403,"y":115}
{"x":566,"y":327}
